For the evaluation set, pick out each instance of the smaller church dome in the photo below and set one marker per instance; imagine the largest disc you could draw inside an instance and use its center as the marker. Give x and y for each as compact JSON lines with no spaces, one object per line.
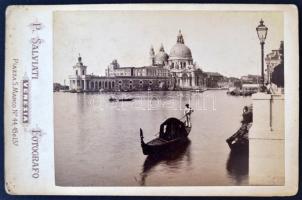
{"x":161,"y":57}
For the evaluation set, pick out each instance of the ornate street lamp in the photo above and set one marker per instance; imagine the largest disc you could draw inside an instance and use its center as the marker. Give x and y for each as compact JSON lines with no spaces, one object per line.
{"x":262,"y":32}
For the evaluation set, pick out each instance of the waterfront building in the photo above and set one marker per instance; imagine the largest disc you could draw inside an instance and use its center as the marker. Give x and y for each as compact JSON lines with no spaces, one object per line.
{"x":118,"y":78}
{"x":224,"y":83}
{"x":272,"y":60}
{"x":234,"y":82}
{"x":213,"y":79}
{"x":185,"y":73}
{"x":174,"y":71}
{"x":250,"y":79}
{"x":58,"y":87}
{"x":250,"y":88}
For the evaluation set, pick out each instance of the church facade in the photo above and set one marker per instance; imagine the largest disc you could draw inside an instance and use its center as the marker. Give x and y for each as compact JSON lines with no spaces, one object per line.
{"x":173,"y":71}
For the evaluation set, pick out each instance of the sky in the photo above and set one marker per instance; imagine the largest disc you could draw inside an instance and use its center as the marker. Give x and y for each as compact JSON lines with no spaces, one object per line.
{"x":224,"y":42}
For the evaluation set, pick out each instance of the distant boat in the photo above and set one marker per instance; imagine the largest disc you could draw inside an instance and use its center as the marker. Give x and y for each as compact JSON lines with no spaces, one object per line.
{"x":173,"y":132}
{"x":247,"y":90}
{"x":117,"y":99}
{"x":233,"y":91}
{"x":218,"y":88}
{"x":73,"y":91}
{"x":198,"y":90}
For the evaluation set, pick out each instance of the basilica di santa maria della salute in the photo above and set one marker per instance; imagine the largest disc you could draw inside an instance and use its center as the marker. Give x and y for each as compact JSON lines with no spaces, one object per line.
{"x":173,"y":71}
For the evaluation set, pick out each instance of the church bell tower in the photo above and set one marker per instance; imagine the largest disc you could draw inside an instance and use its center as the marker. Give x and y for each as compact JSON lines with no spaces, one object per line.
{"x":79,"y":68}
{"x":152,"y":56}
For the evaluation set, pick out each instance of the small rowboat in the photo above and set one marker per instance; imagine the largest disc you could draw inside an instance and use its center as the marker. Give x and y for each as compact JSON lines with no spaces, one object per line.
{"x":173,"y":132}
{"x":123,"y":99}
{"x":198,"y":90}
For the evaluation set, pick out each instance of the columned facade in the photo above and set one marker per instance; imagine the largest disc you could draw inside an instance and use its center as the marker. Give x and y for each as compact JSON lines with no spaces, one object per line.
{"x":174,"y":71}
{"x":182,"y":66}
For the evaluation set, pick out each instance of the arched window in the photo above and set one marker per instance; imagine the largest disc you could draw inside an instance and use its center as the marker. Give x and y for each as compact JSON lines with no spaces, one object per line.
{"x":105,"y":84}
{"x":83,"y":72}
{"x":113,"y":84}
{"x":76,"y":72}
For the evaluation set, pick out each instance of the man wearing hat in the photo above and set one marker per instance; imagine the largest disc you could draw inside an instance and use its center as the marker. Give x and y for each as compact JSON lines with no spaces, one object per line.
{"x":187,"y":113}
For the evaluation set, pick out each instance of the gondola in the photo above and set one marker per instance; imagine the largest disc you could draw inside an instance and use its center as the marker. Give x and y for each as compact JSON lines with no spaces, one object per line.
{"x":172,"y":133}
{"x":198,"y":90}
{"x":123,"y":99}
{"x":240,"y":141}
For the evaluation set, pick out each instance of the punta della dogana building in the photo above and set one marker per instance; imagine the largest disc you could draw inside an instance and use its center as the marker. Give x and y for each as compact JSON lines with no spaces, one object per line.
{"x":173,"y":71}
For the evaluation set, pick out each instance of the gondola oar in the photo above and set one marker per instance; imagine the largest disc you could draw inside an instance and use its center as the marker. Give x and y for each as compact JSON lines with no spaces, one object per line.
{"x":182,"y":117}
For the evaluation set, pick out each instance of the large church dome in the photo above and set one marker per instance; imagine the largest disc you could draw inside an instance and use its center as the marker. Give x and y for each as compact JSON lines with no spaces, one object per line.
{"x":180,"y":50}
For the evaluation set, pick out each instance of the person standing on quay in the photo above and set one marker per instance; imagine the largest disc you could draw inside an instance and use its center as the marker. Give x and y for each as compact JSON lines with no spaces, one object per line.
{"x":187,"y":112}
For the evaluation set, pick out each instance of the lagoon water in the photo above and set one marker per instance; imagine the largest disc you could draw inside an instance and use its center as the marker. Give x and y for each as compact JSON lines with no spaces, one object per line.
{"x":97,"y":142}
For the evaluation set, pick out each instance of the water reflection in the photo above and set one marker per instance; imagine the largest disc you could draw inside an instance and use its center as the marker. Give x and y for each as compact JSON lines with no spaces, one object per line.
{"x":90,"y":132}
{"x":172,"y":160}
{"x":238,"y":166}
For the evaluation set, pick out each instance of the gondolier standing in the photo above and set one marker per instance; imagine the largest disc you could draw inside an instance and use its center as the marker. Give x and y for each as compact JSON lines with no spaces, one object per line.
{"x":187,"y":112}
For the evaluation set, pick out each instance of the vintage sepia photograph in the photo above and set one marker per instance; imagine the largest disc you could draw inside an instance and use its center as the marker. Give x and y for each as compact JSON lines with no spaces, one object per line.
{"x":168,"y":98}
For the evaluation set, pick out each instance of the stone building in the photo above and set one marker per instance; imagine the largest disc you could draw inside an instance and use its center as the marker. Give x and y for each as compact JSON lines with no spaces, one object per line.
{"x":212,"y":79}
{"x":250,"y":79}
{"x":119,"y":78}
{"x":174,"y":71}
{"x":272,"y":60}
{"x":185,"y":74}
